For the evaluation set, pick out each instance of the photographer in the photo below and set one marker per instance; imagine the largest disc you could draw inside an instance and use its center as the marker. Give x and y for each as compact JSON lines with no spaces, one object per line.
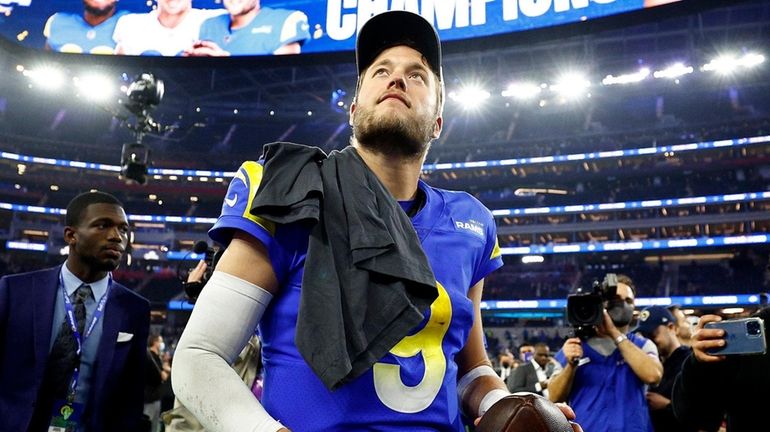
{"x":710,"y":387}
{"x":605,"y":375}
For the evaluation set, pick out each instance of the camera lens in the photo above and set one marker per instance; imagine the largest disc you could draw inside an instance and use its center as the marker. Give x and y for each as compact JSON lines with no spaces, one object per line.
{"x":752,"y":328}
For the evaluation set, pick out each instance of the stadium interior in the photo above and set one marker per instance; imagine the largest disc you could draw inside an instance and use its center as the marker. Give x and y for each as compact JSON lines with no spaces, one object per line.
{"x":638,"y":145}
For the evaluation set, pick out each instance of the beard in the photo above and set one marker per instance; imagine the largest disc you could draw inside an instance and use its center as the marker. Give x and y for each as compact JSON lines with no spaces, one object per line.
{"x":392,"y":136}
{"x":100,"y":12}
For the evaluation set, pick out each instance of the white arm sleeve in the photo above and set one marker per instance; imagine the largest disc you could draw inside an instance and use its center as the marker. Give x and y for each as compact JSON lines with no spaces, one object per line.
{"x":224,"y":318}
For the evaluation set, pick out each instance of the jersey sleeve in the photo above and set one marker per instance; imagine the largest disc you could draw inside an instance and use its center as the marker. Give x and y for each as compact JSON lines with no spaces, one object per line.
{"x":492,"y":258}
{"x":295,"y":28}
{"x":236,"y":208}
{"x":48,"y":24}
{"x":561,"y":358}
{"x":207,"y":31}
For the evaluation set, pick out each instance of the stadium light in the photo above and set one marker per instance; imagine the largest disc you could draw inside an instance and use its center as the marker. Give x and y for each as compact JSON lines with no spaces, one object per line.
{"x":571,"y":86}
{"x":522,"y":90}
{"x":635,"y":77}
{"x":674,"y":71}
{"x":532,"y":259}
{"x":47,"y":77}
{"x":751,"y":60}
{"x":728,"y":64}
{"x":93,"y":87}
{"x":470,"y":97}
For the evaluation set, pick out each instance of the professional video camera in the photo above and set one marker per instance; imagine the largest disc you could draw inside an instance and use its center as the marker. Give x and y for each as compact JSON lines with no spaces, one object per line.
{"x":585,"y":309}
{"x":210,"y":257}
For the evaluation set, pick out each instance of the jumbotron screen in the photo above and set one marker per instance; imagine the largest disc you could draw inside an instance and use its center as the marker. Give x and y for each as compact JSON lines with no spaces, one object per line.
{"x":252,"y":27}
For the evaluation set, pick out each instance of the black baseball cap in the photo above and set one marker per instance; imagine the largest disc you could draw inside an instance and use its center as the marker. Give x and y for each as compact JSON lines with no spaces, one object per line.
{"x":652,"y":317}
{"x":393,"y":28}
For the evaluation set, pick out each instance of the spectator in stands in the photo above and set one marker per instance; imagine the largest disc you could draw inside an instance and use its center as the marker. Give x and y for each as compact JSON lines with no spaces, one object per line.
{"x":534,"y":375}
{"x":659,"y":325}
{"x":526,"y":351}
{"x":156,"y":373}
{"x":506,"y":362}
{"x":606,"y":376}
{"x":72,"y":341}
{"x":711,"y":387}
{"x":683,"y":325}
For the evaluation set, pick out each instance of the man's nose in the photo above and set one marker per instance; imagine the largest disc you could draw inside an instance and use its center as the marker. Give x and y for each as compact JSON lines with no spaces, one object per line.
{"x":116,"y":234}
{"x":397,"y":80}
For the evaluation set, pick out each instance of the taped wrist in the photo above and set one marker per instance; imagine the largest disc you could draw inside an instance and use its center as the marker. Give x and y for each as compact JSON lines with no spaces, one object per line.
{"x":468,"y":385}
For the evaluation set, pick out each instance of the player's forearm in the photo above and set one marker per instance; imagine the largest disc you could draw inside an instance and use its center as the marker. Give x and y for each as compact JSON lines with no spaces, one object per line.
{"x":223,"y":320}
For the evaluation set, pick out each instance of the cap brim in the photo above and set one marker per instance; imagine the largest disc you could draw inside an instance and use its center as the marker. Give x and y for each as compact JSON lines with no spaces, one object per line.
{"x":645,"y":331}
{"x":394,"y":28}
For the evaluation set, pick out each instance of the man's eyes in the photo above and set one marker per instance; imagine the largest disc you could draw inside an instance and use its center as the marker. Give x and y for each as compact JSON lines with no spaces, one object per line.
{"x":416,"y":75}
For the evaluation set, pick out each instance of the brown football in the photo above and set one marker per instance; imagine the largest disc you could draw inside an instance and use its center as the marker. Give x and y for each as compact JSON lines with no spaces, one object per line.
{"x":524,"y":412}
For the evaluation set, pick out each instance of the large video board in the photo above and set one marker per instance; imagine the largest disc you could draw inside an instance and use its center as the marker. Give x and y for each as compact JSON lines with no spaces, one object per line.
{"x":251,"y":27}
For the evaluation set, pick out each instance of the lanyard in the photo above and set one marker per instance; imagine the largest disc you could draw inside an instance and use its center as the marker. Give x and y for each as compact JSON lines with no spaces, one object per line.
{"x":70,"y":316}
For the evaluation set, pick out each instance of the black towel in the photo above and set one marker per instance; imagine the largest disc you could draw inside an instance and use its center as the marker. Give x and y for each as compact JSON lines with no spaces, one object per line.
{"x":366,"y":279}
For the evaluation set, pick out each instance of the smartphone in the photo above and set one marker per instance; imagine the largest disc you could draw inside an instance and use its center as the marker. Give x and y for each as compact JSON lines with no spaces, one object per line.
{"x":742,"y":336}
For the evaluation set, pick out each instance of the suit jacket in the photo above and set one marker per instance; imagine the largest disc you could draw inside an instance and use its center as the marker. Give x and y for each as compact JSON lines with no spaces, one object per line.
{"x":524,"y":378}
{"x":26,"y":319}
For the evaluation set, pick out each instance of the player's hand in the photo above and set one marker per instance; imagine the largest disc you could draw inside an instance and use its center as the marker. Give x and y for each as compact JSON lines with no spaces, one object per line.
{"x":704,"y":339}
{"x":657,"y":401}
{"x":204,"y":48}
{"x":572,"y":349}
{"x":196,"y":274}
{"x":565,"y":409}
{"x":570,"y":414}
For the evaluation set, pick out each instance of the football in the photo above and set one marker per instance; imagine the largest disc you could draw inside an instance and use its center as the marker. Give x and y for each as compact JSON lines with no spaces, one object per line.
{"x":524,"y":412}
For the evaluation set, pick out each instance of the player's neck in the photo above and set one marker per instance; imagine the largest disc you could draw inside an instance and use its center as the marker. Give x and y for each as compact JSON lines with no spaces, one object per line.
{"x":240,"y":21}
{"x":399,"y":175}
{"x":95,"y":20}
{"x":171,"y":21}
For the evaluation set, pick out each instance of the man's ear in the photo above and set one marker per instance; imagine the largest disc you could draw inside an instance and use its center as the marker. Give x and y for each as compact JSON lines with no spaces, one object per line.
{"x":351,"y":113}
{"x":437,"y":127}
{"x":70,"y":235}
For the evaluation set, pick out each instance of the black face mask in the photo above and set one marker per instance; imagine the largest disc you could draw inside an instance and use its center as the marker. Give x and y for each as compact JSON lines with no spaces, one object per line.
{"x":621,"y":312}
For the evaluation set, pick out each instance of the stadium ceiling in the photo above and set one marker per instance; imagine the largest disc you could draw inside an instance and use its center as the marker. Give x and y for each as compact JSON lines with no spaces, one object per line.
{"x":219,"y":85}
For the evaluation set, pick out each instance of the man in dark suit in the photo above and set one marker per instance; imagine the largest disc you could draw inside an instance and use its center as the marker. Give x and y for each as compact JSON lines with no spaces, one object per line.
{"x":75,"y":360}
{"x":533,"y":375}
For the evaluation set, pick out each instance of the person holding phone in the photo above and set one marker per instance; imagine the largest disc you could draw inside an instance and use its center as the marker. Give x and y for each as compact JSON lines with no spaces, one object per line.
{"x":713,"y":387}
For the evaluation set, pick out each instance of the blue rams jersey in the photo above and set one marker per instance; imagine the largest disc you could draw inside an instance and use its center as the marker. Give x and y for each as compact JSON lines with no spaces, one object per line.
{"x":70,"y":33}
{"x":268,"y":31}
{"x":414,"y":387}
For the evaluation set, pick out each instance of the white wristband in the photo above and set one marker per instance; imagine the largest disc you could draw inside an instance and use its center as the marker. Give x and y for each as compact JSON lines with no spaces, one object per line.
{"x":490,"y":399}
{"x":468,"y":378}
